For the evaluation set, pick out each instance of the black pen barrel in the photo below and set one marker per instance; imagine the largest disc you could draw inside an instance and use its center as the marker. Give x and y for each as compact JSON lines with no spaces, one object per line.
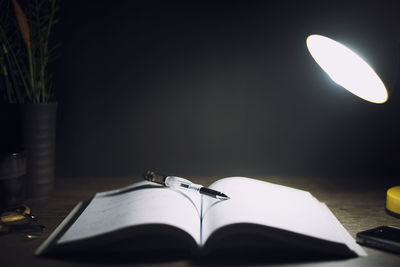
{"x":212,"y":193}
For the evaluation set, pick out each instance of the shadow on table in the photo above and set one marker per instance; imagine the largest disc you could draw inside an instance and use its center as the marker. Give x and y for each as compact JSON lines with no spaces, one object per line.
{"x":238,"y":257}
{"x":241,"y":257}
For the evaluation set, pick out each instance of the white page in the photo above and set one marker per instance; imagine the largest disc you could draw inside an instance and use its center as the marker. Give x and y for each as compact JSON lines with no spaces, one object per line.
{"x":263,"y":203}
{"x":117,"y":209}
{"x":340,"y":230}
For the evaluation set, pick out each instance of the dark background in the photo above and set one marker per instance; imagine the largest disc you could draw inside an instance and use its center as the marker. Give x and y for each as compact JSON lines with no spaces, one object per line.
{"x":219,"y":88}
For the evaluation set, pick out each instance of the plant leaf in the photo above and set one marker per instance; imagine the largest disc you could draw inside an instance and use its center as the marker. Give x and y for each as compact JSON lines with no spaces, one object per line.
{"x":22,"y":24}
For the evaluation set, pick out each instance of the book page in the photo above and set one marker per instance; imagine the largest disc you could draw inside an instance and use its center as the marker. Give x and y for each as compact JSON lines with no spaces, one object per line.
{"x":138,"y":204}
{"x":257,"y":202}
{"x":340,"y":230}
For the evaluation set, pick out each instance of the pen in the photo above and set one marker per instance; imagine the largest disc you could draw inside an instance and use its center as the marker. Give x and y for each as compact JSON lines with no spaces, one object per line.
{"x":181,"y":183}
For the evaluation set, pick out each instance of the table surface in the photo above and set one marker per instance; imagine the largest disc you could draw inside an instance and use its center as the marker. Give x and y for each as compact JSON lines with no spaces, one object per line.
{"x":358,"y":203}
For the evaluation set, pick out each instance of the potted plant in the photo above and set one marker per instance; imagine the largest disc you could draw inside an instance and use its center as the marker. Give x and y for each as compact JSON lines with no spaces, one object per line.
{"x":25,"y":32}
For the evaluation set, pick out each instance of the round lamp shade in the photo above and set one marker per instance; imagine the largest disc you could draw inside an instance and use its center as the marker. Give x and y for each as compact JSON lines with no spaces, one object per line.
{"x":347,"y":69}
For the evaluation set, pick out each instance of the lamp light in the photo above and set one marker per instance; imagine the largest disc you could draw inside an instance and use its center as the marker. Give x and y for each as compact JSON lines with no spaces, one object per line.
{"x":350,"y":71}
{"x":347,"y":69}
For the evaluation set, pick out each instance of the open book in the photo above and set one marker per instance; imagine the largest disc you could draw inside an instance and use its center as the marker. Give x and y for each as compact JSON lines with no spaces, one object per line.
{"x":259,"y":215}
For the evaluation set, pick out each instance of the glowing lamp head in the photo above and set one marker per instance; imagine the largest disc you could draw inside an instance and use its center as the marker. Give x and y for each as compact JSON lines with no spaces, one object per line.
{"x":347,"y":69}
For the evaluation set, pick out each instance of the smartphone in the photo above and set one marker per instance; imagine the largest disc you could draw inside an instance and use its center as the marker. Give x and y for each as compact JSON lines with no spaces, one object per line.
{"x":383,"y":237}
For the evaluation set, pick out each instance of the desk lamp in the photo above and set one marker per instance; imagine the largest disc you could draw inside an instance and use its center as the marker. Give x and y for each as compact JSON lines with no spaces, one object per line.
{"x":350,"y":71}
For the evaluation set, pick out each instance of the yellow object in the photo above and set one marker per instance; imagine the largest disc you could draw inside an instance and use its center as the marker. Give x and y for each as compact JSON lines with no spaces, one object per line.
{"x":393,"y":200}
{"x":15,"y":215}
{"x":11,"y":217}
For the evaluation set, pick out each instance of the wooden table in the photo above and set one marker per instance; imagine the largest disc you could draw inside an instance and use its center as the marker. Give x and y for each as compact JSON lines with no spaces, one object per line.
{"x":358,"y":202}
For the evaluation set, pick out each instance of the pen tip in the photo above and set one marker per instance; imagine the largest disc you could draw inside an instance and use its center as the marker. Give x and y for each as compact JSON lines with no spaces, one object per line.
{"x":222,"y":196}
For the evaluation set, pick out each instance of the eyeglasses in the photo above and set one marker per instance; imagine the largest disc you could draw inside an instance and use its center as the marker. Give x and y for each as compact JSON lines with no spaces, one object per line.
{"x":21,"y":221}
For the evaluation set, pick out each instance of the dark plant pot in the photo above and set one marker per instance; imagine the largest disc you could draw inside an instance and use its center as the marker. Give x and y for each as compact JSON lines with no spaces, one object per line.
{"x":10,"y":128}
{"x":38,"y":135}
{"x":12,"y":179}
